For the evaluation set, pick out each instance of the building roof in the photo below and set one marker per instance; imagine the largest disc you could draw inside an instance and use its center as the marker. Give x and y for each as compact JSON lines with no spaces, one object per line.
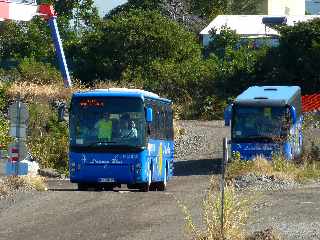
{"x":250,"y":24}
{"x":267,"y":95}
{"x":119,"y":92}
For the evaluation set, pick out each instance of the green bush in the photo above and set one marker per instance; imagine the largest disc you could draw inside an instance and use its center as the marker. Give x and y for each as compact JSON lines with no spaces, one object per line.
{"x":48,"y":138}
{"x":4,"y":99}
{"x":5,"y":139}
{"x":38,"y":73}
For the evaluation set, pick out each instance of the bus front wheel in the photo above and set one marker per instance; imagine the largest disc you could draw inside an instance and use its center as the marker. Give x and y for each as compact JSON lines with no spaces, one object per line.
{"x":82,"y":187}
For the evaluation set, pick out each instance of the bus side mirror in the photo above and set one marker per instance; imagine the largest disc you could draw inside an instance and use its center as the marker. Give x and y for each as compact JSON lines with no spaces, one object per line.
{"x":227,"y":115}
{"x":149,"y":115}
{"x":61,"y":112}
{"x":293,"y":113}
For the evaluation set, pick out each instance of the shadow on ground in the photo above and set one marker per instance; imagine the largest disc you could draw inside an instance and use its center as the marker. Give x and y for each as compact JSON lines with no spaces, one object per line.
{"x":197,"y":167}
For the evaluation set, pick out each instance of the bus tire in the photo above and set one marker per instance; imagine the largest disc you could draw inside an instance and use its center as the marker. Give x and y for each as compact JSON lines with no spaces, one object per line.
{"x":82,"y":187}
{"x":108,"y":187}
{"x":146,"y":186}
{"x":163,"y":185}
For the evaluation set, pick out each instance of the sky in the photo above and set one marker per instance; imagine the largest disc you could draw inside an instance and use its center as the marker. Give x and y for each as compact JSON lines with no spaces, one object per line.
{"x":105,"y":6}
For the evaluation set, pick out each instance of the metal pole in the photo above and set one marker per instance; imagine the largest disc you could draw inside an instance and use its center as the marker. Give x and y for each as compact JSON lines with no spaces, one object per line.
{"x":224,"y":161}
{"x":59,"y":51}
{"x":18,"y":133}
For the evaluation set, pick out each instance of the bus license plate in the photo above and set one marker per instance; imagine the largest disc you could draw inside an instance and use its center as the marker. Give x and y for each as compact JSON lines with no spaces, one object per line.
{"x":106,"y":180}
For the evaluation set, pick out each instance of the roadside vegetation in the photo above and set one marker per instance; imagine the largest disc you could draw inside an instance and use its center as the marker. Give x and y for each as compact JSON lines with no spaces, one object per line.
{"x":279,"y":168}
{"x":236,"y":212}
{"x":235,"y":216}
{"x":9,"y":185}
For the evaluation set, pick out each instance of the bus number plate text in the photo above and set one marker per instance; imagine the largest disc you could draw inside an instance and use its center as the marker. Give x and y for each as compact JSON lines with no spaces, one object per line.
{"x":106,"y":180}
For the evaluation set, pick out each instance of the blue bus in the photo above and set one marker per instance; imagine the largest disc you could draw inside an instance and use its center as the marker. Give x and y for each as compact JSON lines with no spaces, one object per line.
{"x":266,"y":120}
{"x":121,"y":136}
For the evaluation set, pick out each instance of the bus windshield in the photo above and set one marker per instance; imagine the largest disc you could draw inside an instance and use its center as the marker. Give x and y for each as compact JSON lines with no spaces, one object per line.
{"x":107,"y":122}
{"x":259,"y":123}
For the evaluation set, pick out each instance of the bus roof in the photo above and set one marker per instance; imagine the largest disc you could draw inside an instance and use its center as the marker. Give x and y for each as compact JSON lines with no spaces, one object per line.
{"x":120,"y":92}
{"x":268,"y":95}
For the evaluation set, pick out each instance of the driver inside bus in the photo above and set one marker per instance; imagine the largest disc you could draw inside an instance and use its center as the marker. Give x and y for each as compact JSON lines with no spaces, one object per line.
{"x":128,"y":128}
{"x":104,"y":127}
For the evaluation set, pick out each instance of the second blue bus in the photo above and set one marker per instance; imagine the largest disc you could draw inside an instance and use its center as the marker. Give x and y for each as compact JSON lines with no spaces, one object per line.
{"x":266,"y":121}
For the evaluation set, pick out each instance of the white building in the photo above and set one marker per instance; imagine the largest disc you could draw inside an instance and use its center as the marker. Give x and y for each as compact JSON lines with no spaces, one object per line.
{"x":252,"y":26}
{"x":284,"y":7}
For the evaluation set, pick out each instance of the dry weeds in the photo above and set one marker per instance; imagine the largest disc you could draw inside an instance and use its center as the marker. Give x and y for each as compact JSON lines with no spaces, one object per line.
{"x":10,"y":184}
{"x":235,"y":216}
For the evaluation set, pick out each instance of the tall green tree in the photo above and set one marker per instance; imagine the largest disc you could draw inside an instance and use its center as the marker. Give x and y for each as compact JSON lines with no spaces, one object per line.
{"x":211,"y":8}
{"x":132,"y":40}
{"x":150,"y":5}
{"x":296,"y":60}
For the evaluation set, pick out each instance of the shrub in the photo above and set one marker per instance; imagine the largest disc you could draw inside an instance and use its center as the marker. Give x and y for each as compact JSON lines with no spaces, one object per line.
{"x":4,"y":95}
{"x":5,"y":139}
{"x":35,"y":72}
{"x":258,"y":166}
{"x":279,"y":168}
{"x":13,"y":183}
{"x":235,"y":216}
{"x":48,"y":139}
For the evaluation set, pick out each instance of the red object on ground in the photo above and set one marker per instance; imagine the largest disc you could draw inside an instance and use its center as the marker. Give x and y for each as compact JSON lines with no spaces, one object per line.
{"x":47,"y":10}
{"x":311,"y":103}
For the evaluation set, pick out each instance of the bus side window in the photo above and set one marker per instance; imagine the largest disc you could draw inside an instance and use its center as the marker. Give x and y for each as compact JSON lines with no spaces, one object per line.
{"x":168,"y":123}
{"x":155,"y":124}
{"x":162,"y":123}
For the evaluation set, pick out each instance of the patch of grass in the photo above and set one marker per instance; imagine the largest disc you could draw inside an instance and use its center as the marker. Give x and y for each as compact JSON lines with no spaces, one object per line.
{"x":13,"y":183}
{"x":36,"y":182}
{"x":31,"y":92}
{"x":235,"y":216}
{"x":259,"y":166}
{"x":279,"y":168}
{"x":308,"y":172}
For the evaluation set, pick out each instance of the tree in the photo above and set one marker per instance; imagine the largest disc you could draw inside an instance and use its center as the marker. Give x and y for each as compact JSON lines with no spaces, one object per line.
{"x":296,"y":60}
{"x":209,"y":9}
{"x":132,"y":40}
{"x":236,"y":59}
{"x":19,"y":40}
{"x":150,"y":5}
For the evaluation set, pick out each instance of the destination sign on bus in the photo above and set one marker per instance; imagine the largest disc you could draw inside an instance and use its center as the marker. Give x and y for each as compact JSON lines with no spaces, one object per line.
{"x":91,"y":103}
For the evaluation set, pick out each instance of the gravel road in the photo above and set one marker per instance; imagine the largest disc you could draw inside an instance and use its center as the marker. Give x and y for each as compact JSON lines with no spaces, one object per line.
{"x":65,"y":213}
{"x":292,"y":213}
